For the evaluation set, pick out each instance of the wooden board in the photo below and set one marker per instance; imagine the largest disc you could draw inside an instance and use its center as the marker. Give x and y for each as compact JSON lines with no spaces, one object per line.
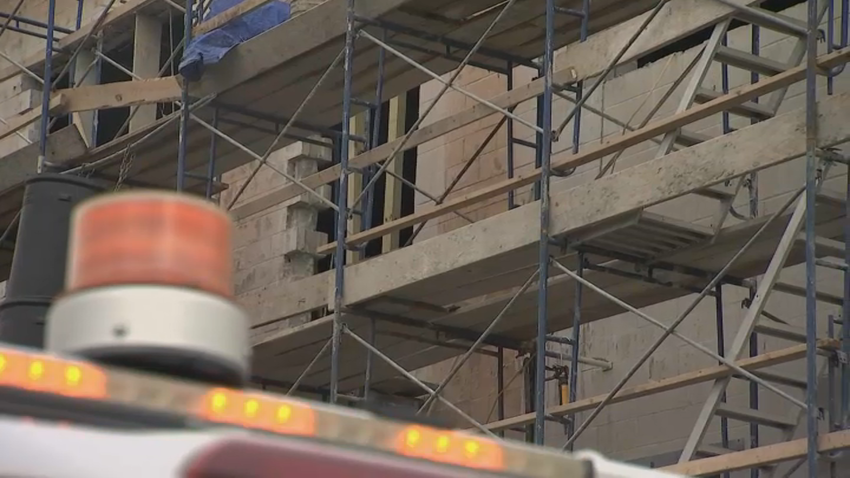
{"x":673,"y":383}
{"x":761,"y":456}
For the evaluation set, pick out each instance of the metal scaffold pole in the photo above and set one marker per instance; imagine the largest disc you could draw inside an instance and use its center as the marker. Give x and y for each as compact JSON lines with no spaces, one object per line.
{"x":47,"y":86}
{"x":185,"y":114}
{"x":543,"y":273}
{"x":811,"y":278}
{"x":576,"y":332}
{"x":342,"y":204}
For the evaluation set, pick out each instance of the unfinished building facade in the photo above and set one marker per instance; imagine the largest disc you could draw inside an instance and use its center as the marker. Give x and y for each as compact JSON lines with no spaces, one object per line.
{"x":587,"y":224}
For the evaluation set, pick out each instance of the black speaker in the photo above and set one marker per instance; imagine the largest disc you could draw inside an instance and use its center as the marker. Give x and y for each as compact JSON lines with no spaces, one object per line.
{"x":41,"y":250}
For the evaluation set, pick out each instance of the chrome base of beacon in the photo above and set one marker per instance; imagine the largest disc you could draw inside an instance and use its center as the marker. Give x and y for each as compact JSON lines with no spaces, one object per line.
{"x":167,"y":330}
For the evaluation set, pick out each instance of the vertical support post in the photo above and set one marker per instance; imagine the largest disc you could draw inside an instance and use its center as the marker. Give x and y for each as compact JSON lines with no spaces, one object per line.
{"x":721,"y":351}
{"x":573,"y":379}
{"x":545,"y":148}
{"x":146,"y":50}
{"x":79,"y":21}
{"x":184,"y":110}
{"x":753,"y":389}
{"x":845,"y":313}
{"x":85,"y":120}
{"x":811,"y":283}
{"x":396,"y":128}
{"x":831,"y":412}
{"x":342,"y":204}
{"x":529,"y":380}
{"x":510,"y":133}
{"x":538,"y":140}
{"x":755,"y":49}
{"x":213,"y":154}
{"x":500,"y":386}
{"x":356,"y":181}
{"x":585,"y":16}
{"x":367,"y":380}
{"x":48,"y":85}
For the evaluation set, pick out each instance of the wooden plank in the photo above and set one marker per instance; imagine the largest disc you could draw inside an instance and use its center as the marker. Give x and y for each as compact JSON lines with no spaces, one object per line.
{"x":69,"y":42}
{"x":665,"y":385}
{"x":611,"y":146}
{"x":120,"y":94}
{"x":147,"y":44}
{"x":29,"y":116}
{"x":761,"y":456}
{"x":584,"y":60}
{"x":16,"y":167}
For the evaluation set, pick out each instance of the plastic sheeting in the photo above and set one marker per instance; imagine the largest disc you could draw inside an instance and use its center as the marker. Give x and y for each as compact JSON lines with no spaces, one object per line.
{"x":209,"y":48}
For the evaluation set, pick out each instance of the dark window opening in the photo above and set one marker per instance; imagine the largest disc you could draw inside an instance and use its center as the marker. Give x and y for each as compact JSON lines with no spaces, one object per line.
{"x":109,"y":121}
{"x":327,"y":218}
{"x":375,"y":247}
{"x":408,"y":195}
{"x":703,"y":35}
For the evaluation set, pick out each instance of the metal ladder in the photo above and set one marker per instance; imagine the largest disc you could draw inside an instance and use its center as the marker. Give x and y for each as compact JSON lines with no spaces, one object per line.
{"x":715,"y":50}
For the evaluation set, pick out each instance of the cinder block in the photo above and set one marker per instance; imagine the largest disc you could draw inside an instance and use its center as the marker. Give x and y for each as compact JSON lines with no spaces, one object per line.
{"x":16,"y":85}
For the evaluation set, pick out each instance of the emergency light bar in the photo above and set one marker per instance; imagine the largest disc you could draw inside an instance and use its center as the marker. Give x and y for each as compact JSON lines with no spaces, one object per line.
{"x":83,"y":382}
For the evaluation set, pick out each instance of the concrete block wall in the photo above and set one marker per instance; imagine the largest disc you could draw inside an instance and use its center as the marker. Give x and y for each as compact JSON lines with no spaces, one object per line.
{"x":649,"y":427}
{"x":272,"y":248}
{"x":22,"y":92}
{"x":19,"y":46}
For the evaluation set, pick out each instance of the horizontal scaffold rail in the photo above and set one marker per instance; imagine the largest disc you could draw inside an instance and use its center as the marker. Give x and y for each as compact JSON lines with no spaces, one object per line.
{"x":695,"y":377}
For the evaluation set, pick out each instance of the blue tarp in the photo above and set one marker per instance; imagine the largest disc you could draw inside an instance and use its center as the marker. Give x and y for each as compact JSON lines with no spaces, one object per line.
{"x":209,"y":48}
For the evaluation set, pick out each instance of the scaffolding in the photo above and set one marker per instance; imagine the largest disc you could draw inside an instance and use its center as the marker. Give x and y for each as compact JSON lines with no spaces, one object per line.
{"x":585,"y":248}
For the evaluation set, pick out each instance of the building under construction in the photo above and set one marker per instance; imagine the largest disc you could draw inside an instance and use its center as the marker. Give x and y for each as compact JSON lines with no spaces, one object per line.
{"x":615,"y":225}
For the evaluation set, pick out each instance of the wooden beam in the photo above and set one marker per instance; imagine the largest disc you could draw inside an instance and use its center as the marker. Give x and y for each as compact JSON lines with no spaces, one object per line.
{"x":120,"y":94}
{"x":585,"y":60}
{"x":29,"y":116}
{"x":69,"y":42}
{"x":147,"y":44}
{"x":761,"y":456}
{"x":737,"y":96}
{"x":228,"y":15}
{"x":665,"y":385}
